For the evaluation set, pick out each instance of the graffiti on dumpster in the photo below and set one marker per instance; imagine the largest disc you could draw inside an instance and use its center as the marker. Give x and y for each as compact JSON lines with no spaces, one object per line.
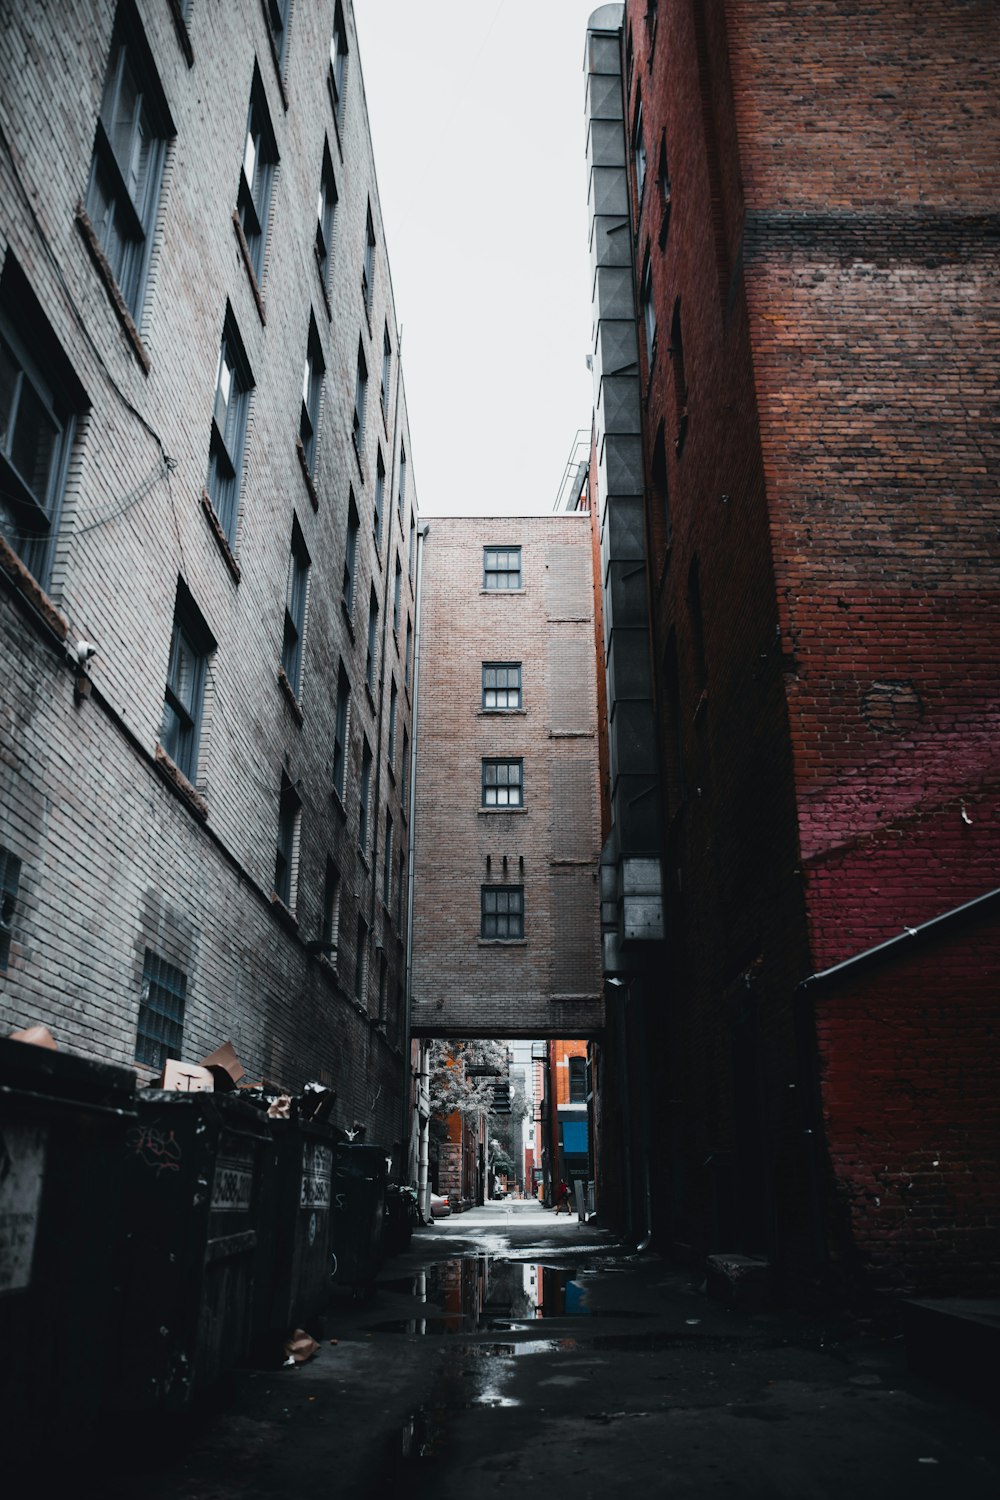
{"x":232,"y":1187}
{"x":317,"y":1170}
{"x":155,"y":1147}
{"x":22,"y":1168}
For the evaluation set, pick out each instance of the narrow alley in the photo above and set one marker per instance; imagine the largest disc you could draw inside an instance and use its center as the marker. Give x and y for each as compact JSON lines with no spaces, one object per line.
{"x":511,"y":1351}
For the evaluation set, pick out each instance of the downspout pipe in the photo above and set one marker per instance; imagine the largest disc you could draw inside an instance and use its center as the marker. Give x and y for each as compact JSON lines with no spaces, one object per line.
{"x":409,"y":1103}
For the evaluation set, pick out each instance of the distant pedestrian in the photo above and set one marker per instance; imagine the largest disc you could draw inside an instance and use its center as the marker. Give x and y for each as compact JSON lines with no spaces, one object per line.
{"x":562,"y":1198}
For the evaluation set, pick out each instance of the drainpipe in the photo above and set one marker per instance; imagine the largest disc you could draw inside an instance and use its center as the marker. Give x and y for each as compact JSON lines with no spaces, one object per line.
{"x":423,"y":1153}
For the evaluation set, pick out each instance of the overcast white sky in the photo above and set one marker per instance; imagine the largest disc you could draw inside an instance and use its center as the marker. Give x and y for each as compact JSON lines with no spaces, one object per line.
{"x":476,"y":110}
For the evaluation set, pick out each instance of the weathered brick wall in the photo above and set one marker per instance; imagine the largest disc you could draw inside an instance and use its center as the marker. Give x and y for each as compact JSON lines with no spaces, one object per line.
{"x":92,"y":822}
{"x":549,"y":984}
{"x":832,"y":239}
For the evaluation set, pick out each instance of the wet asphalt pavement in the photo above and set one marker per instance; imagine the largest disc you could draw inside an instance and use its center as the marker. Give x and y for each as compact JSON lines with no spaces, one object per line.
{"x":514,"y":1352}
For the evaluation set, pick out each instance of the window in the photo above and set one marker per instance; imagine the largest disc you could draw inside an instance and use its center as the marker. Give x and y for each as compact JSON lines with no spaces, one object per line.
{"x":160,"y":1033}
{"x":648,"y":309}
{"x":393,"y":702}
{"x":407,"y":652}
{"x":386,"y":369}
{"x":400,"y":893}
{"x":233,"y":385}
{"x":326,"y":217}
{"x":295,"y":610}
{"x":501,"y":568}
{"x":503,"y":783}
{"x":340,"y":732}
{"x":338,"y":64}
{"x":350,"y":555}
{"x":404,"y":766}
{"x":372,"y":657}
{"x":260,"y":157}
{"x":312,"y":393}
{"x":402,"y":479}
{"x":639,"y":153}
{"x":286,"y":856}
{"x":331,"y":908}
{"x":10,"y":878}
{"x":366,"y":786}
{"x":387,"y":863}
{"x":383,"y":987}
{"x":127,"y":166}
{"x":191,"y":645}
{"x":577,"y":1080}
{"x":277,"y":21}
{"x":501,"y":684}
{"x":379,"y":498}
{"x":413,"y":547}
{"x":501,"y":911}
{"x":368,"y":267}
{"x":36,"y":425}
{"x":361,"y":961}
{"x":360,"y":398}
{"x":397,"y":597}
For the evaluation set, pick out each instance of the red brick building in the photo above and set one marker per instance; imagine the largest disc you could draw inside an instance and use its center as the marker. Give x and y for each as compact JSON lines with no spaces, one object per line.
{"x":810,"y":196}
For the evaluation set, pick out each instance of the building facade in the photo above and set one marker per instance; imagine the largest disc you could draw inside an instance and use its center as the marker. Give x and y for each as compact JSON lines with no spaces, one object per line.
{"x":507,"y":829}
{"x":208,"y":548}
{"x":809,"y":196}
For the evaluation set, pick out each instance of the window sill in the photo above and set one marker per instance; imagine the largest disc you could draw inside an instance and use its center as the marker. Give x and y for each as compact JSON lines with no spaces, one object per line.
{"x":306,"y":475}
{"x":221,"y":540}
{"x":502,"y":593}
{"x":241,"y":240}
{"x":496,"y":713}
{"x":175,"y":778}
{"x":571,"y":734}
{"x":291,"y":696}
{"x":492,"y":812}
{"x":26,"y":585}
{"x":112,"y":288}
{"x":284,"y":914}
{"x":183,"y":37}
{"x":502,"y":942}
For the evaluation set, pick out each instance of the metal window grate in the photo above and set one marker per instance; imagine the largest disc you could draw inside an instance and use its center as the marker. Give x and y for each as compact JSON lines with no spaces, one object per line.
{"x":10,"y":877}
{"x":501,"y":567}
{"x":161,"y":1012}
{"x":502,"y":911}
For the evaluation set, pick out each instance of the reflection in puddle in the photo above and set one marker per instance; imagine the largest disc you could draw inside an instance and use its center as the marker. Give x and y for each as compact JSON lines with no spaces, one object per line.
{"x":482,"y":1293}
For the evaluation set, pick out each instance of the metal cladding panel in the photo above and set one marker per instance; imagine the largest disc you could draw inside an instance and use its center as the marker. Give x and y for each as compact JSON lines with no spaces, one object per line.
{"x":604,"y":54}
{"x":613,"y":291}
{"x":624,"y":535}
{"x":618,"y":405}
{"x":606,"y":143}
{"x":604,"y":96}
{"x":628,"y":666}
{"x":610,"y":241}
{"x":625,"y":596}
{"x":642,"y":919}
{"x":620,"y":469}
{"x":637,"y":813}
{"x":631,"y":724}
{"x":615,"y":348}
{"x":608,"y":190}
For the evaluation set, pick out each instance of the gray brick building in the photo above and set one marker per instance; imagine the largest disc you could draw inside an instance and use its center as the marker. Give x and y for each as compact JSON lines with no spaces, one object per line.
{"x":204,"y":827}
{"x":507,"y":815}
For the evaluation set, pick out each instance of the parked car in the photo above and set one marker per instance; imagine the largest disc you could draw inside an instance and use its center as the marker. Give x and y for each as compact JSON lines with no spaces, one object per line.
{"x":440,"y":1207}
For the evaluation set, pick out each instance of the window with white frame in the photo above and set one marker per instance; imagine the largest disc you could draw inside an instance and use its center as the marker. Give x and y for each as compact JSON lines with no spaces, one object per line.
{"x":37,"y":400}
{"x":350,"y":555}
{"x":338,"y":63}
{"x":191,"y":646}
{"x":277,"y":20}
{"x":126,"y":170}
{"x":379,"y":498}
{"x":233,"y":385}
{"x":368,"y":266}
{"x":10,"y":879}
{"x":648,"y":307}
{"x":408,"y":651}
{"x":639,"y":152}
{"x":386,"y":369}
{"x":393,"y":705}
{"x":501,"y":685}
{"x":501,"y":568}
{"x":371,"y":659}
{"x":503,"y":783}
{"x":260,"y":159}
{"x":365,"y":798}
{"x":326,"y":217}
{"x":402,"y":479}
{"x":360,"y":398}
{"x":295,"y":610}
{"x":160,"y":1031}
{"x":501,"y":912}
{"x":312,"y":396}
{"x":397,"y":598}
{"x":287,"y":853}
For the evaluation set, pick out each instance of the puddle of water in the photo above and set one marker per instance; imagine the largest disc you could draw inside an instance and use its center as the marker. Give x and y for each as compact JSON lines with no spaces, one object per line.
{"x":471,"y":1292}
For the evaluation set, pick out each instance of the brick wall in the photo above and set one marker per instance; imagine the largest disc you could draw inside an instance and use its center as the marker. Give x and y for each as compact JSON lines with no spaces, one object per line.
{"x":100,"y":832}
{"x":549,"y":984}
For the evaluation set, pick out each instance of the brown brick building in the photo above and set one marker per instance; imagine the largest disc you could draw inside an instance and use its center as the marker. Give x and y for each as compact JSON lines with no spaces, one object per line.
{"x":507,"y":830}
{"x":203,"y":446}
{"x":804,"y":407}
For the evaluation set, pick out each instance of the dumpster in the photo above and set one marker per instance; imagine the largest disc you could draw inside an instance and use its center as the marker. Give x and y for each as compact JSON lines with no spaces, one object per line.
{"x":293,"y":1264}
{"x":63,"y":1124}
{"x":358,"y":1205}
{"x":194,"y":1173}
